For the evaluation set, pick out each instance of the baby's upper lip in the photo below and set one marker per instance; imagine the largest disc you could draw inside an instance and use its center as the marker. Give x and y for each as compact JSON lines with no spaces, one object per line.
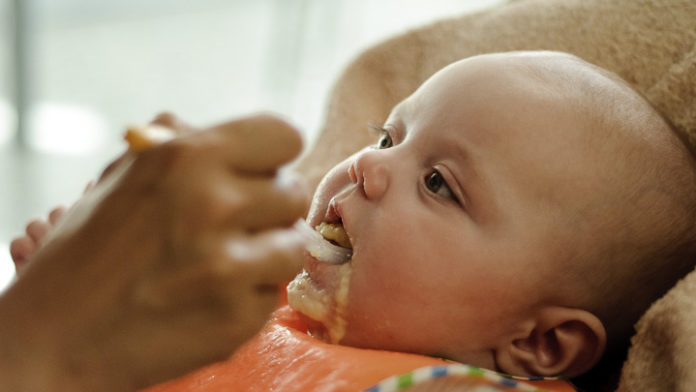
{"x":333,"y":212}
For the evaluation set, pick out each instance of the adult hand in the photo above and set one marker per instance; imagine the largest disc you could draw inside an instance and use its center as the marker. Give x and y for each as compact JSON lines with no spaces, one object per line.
{"x":24,"y":246}
{"x":169,"y":262}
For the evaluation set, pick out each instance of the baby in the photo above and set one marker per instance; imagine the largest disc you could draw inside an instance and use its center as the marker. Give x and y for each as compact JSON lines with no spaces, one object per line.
{"x":519,"y":212}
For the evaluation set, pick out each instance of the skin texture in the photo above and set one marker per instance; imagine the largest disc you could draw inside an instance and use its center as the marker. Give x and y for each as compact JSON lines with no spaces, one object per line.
{"x":458,"y":219}
{"x":194,"y":237}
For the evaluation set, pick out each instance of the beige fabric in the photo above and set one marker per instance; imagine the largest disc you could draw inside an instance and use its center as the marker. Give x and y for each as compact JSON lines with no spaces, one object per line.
{"x":663,"y":356}
{"x":650,"y":43}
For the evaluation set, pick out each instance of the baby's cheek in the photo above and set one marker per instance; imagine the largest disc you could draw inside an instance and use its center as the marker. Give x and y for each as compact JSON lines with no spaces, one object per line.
{"x":368,"y":301}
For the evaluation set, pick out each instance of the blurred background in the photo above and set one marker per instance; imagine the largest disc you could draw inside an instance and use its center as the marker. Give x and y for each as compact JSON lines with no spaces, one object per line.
{"x":75,"y":73}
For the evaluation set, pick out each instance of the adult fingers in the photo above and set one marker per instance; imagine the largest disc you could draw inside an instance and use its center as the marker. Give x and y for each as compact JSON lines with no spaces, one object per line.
{"x":173,"y":122}
{"x":224,"y":202}
{"x":257,"y":144}
{"x":278,"y":201}
{"x":234,"y":271}
{"x":253,"y":146}
{"x":266,"y":259}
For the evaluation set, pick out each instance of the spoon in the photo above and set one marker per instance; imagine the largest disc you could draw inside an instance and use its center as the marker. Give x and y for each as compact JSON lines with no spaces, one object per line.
{"x":320,"y":248}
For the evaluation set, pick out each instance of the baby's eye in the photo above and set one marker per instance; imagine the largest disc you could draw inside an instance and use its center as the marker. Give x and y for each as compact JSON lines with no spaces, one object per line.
{"x":437,"y":185}
{"x":385,"y":141}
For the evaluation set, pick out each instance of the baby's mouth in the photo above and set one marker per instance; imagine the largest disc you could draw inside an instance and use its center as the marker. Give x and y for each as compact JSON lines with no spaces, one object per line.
{"x":335,"y":233}
{"x":328,"y":242}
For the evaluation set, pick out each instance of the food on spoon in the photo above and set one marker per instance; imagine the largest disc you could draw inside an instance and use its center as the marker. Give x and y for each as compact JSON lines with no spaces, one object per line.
{"x":335,"y":232}
{"x":320,"y":248}
{"x":140,"y":138}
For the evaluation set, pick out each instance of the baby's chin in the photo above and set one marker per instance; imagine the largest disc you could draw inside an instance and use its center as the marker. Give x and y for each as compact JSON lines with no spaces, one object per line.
{"x":315,"y":328}
{"x":320,"y":294}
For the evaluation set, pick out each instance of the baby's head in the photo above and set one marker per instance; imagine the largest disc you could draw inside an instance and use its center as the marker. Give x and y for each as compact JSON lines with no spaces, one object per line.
{"x":519,"y":212}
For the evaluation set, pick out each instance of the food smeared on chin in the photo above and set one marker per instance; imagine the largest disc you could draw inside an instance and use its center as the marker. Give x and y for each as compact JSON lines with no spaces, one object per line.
{"x":320,"y":305}
{"x":325,"y":304}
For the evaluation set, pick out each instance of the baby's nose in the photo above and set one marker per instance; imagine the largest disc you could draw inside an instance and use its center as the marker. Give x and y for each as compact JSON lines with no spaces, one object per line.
{"x":370,"y":173}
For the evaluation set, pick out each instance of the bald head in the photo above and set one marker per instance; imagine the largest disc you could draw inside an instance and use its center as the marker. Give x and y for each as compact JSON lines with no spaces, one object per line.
{"x":634,"y":234}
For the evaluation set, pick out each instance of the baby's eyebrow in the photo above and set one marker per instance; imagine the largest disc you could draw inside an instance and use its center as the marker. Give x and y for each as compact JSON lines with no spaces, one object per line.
{"x":393,"y":129}
{"x":376,"y":130}
{"x":461,"y":153}
{"x":467,"y":166}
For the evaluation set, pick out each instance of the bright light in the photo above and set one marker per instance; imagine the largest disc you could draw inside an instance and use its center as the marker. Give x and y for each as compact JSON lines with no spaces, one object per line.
{"x":66,"y":128}
{"x":7,"y":271}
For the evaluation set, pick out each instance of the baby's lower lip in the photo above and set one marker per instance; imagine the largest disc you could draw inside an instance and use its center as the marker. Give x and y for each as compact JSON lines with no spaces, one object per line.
{"x":324,"y":275}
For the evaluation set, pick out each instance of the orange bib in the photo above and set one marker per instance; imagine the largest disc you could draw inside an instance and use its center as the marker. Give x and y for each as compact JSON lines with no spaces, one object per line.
{"x":282,"y":357}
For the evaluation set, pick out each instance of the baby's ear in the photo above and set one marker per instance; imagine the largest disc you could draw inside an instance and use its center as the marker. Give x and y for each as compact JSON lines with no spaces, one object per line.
{"x":561,"y":341}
